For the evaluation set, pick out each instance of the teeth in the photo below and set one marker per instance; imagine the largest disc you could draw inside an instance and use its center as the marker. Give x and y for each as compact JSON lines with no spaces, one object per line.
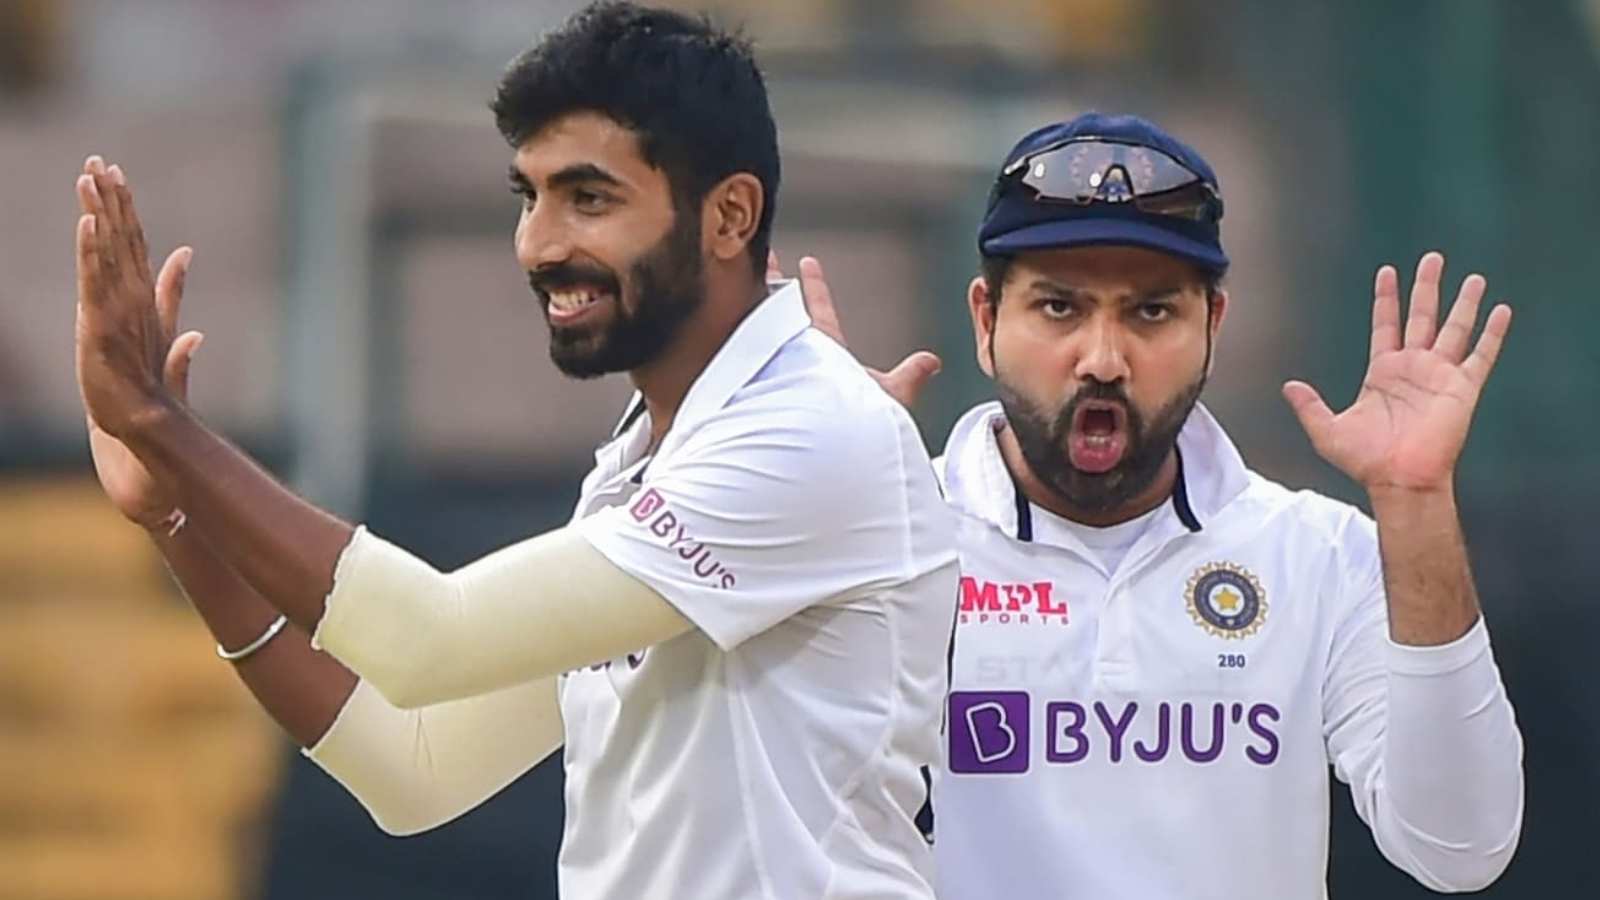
{"x":1097,"y":440}
{"x":568,"y":301}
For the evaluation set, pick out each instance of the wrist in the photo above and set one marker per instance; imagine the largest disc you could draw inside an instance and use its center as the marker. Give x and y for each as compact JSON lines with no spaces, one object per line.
{"x":1412,"y":497}
{"x":157,"y":412}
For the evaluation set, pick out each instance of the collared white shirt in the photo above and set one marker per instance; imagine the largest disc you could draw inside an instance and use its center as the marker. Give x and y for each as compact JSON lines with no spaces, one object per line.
{"x":792,"y":514}
{"x":1162,"y":727}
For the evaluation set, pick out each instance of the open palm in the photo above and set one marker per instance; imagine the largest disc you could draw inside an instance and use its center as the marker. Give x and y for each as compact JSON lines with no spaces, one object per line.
{"x":1409,"y":422}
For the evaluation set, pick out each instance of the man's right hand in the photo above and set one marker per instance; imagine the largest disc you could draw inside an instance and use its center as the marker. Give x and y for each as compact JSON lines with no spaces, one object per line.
{"x":129,"y":485}
{"x":905,"y":381}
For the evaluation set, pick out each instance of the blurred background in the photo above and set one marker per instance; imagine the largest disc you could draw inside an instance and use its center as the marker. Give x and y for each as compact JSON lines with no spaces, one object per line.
{"x":371,"y":339}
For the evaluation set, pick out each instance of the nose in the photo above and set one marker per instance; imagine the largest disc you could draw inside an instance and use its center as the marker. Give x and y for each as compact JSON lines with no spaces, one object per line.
{"x":540,"y":241}
{"x":1102,"y":358}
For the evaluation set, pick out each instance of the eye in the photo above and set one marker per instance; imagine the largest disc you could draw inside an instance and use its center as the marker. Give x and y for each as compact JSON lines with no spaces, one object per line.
{"x":1155,"y":312}
{"x":589,"y":201}
{"x":1056,"y":308}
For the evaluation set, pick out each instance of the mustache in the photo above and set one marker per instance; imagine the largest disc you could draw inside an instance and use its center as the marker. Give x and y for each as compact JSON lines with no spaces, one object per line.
{"x":1104,"y":391}
{"x":560,"y":277}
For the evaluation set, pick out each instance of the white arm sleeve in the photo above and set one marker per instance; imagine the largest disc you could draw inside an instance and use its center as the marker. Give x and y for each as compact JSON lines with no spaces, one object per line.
{"x":1425,"y":737}
{"x":533,"y":610}
{"x":417,"y":769}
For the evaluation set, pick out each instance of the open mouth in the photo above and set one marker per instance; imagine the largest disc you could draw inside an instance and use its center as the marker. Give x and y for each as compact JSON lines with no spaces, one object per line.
{"x":1099,"y":436}
{"x":571,"y":304}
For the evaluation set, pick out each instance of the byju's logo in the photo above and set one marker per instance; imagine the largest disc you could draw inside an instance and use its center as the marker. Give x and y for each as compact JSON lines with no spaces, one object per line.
{"x":650,"y":510}
{"x":988,"y":732}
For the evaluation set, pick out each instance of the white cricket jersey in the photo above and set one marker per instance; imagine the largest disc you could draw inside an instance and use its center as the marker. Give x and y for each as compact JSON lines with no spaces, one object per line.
{"x":1163,"y":727}
{"x":793,"y":515}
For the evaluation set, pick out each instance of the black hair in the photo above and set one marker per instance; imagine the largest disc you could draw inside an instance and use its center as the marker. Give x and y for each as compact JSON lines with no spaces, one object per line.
{"x":689,"y":90}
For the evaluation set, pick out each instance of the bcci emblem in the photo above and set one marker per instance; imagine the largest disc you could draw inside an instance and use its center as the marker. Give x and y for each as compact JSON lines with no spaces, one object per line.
{"x":1226,"y":600}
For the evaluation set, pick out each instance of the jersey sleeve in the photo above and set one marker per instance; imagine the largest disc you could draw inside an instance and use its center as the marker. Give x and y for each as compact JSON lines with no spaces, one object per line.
{"x":764,"y":512}
{"x":1407,"y":727}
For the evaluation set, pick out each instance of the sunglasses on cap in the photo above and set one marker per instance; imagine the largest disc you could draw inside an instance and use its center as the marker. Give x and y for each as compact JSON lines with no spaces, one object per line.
{"x":1087,"y":170}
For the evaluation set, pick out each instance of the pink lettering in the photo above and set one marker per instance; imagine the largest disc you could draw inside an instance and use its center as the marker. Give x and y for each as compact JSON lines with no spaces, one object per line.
{"x":647,"y":504}
{"x":974,"y":598}
{"x":650,"y":510}
{"x":1041,"y":593}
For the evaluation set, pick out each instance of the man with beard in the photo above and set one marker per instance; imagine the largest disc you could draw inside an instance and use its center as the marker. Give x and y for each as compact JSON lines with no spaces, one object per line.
{"x":1161,"y":652}
{"x":747,"y":679}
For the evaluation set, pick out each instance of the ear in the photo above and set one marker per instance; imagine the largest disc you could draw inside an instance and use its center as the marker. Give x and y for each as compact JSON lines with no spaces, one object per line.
{"x":984,"y":314}
{"x":731,"y":214}
{"x":1219,"y":308}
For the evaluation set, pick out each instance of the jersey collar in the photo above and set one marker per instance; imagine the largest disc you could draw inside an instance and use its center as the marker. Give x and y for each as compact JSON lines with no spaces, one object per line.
{"x":773,"y":323}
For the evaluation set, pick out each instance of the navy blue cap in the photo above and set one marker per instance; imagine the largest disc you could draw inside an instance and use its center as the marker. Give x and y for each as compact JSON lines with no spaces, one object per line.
{"x":1016,"y":222}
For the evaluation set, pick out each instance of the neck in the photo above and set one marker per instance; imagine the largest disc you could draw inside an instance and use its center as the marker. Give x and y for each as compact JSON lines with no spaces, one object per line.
{"x":665,"y":380}
{"x":1042,"y":495}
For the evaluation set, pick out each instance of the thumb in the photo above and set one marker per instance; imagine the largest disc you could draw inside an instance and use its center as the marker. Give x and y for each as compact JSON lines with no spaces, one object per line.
{"x":1314,"y":415}
{"x":906,"y":381}
{"x":180,"y":357}
{"x":169,"y":287}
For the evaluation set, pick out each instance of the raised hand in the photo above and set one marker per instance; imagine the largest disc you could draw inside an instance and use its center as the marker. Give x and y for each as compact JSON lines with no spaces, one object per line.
{"x":124,"y":478}
{"x":905,"y":381}
{"x":1409,"y":422}
{"x":122,"y":347}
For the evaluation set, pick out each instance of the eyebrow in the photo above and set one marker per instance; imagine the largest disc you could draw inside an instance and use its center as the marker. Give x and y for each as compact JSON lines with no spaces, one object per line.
{"x":583,"y":173}
{"x":578,"y":173}
{"x":1167,"y":292}
{"x":1051,"y":286}
{"x":1067,"y":291}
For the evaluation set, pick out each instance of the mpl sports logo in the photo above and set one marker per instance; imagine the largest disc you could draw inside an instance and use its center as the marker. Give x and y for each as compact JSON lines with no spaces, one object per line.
{"x":990,"y":732}
{"x":650,"y":510}
{"x":1011,"y":603}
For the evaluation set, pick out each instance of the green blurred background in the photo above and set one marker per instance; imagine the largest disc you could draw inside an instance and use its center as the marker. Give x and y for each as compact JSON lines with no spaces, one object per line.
{"x":370,"y":337}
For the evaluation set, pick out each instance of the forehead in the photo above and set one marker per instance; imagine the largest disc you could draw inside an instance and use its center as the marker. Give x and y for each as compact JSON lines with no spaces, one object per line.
{"x":584,"y":138}
{"x":1109,"y":266}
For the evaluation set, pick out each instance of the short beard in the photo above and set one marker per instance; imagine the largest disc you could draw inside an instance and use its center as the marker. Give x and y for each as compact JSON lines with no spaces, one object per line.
{"x":1042,"y":438}
{"x":667,"y":286}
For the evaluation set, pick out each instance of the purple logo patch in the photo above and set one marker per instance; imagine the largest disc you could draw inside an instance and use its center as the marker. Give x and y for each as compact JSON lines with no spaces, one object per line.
{"x":988,"y":732}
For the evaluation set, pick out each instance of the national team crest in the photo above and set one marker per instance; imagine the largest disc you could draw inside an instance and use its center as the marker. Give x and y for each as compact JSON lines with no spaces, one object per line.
{"x":1226,"y":600}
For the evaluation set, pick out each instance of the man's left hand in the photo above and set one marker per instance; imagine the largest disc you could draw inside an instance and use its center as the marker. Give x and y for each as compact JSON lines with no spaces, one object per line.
{"x":1408,"y":424}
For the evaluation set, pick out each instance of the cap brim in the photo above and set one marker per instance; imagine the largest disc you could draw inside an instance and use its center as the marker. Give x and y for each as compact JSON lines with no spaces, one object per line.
{"x":1061,"y":234}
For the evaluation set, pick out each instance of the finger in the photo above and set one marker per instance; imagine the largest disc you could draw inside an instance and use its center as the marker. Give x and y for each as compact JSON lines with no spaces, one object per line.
{"x":819,"y":299}
{"x":180,"y":357}
{"x":1314,"y":415}
{"x":88,"y":196}
{"x":131,"y":229}
{"x":1481,"y":362}
{"x":106,"y":215}
{"x":106,"y":187}
{"x":169,"y":289}
{"x":1424,"y":313}
{"x":88,"y":262}
{"x":1456,"y":334}
{"x":906,"y":381}
{"x":774,"y":271}
{"x":1386,"y":311}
